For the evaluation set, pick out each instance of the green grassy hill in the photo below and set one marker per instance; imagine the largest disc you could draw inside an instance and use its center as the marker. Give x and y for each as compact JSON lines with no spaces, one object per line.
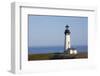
{"x":51,"y":56}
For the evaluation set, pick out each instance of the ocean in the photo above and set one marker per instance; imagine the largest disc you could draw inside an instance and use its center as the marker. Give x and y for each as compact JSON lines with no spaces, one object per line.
{"x":54,"y":49}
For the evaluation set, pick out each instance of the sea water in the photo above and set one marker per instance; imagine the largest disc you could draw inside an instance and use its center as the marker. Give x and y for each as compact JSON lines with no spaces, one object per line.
{"x":54,"y":49}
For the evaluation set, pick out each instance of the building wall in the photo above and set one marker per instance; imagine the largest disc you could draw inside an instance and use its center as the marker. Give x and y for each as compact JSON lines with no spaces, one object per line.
{"x":67,"y":40}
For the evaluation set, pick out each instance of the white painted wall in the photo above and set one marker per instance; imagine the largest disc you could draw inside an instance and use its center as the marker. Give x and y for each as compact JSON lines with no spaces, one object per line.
{"x":67,"y":41}
{"x":5,"y":33}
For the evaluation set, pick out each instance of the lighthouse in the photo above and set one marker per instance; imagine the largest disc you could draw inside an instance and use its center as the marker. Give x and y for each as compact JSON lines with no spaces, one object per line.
{"x":67,"y":38}
{"x":67,"y":43}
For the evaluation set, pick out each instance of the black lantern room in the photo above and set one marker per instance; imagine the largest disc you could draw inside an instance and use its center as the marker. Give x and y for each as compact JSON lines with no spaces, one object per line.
{"x":67,"y":31}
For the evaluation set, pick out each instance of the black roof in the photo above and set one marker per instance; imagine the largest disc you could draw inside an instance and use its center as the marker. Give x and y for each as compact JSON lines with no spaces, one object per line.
{"x":67,"y":31}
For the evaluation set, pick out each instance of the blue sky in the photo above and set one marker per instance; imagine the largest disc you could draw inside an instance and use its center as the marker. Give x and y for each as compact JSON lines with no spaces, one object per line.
{"x":49,"y":30}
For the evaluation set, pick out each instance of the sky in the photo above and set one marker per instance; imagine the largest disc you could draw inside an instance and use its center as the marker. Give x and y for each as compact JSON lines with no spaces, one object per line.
{"x":49,"y":30}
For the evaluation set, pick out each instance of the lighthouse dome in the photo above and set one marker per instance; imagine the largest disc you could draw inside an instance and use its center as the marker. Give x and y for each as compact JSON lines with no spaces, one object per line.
{"x":67,"y":31}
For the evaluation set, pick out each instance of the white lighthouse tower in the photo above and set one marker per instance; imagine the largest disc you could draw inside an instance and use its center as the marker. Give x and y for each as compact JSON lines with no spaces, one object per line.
{"x":67,"y":38}
{"x":67,"y":44}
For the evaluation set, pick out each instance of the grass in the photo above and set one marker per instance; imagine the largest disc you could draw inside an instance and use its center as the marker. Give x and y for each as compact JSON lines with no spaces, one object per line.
{"x":39,"y":56}
{"x":52,"y":56}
